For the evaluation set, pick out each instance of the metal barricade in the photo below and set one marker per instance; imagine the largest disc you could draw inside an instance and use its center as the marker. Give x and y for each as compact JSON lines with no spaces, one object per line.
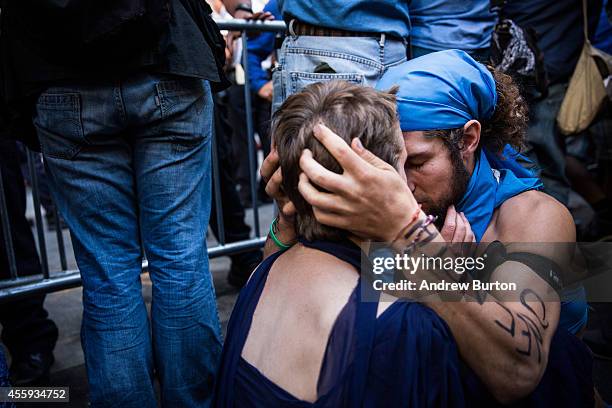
{"x":52,"y":281}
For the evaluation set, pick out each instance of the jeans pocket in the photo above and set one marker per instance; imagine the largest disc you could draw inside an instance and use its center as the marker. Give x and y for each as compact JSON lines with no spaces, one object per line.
{"x":59,"y":126}
{"x":300,"y":80}
{"x":186,"y":110}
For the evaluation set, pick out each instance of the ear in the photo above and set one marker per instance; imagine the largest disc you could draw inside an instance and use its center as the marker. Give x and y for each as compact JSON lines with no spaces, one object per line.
{"x":471,"y":138}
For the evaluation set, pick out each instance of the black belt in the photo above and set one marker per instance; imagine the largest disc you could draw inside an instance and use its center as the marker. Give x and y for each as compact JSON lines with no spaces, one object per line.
{"x":300,"y":28}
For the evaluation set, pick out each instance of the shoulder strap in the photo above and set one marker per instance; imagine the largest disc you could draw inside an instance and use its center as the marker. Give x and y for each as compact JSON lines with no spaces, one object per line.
{"x":585,"y":19}
{"x":238,"y":329}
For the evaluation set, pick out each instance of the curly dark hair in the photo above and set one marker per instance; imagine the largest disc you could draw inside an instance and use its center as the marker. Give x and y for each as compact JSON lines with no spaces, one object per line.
{"x":506,"y":126}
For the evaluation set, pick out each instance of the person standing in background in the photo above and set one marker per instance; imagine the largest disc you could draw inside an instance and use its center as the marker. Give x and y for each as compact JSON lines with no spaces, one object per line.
{"x":560,"y":37}
{"x":27,"y":332}
{"x":260,"y":49}
{"x":354,"y":41}
{"x":439,"y":25}
{"x":119,"y":98}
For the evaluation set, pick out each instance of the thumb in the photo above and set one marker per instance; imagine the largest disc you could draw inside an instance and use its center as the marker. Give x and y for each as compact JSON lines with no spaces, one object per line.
{"x":367,"y":155}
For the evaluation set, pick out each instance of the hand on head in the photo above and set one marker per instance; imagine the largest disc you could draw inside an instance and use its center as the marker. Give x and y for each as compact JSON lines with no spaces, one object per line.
{"x":357,"y":200}
{"x":369,"y":198}
{"x":271,"y":173}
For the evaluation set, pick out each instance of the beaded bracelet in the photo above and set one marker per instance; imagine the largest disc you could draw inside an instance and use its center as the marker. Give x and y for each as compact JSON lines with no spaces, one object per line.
{"x":421,"y":228}
{"x":429,"y":220}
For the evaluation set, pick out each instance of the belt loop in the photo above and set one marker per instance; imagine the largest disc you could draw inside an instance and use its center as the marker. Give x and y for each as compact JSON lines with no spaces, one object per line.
{"x":291,"y":30}
{"x":383,"y":37}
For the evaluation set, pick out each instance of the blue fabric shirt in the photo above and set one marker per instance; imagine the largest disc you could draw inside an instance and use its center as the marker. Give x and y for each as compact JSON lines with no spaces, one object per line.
{"x":441,"y":24}
{"x":379,"y":16}
{"x":259,"y":48}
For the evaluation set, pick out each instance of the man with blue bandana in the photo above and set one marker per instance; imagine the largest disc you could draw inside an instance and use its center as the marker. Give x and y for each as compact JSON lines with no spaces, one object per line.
{"x":459,"y":121}
{"x":354,"y":40}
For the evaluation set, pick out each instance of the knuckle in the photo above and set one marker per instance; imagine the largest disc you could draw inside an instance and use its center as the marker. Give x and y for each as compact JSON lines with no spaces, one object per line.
{"x":268,"y":190}
{"x":363,"y":176}
{"x":340,"y":153}
{"x":317,"y":179}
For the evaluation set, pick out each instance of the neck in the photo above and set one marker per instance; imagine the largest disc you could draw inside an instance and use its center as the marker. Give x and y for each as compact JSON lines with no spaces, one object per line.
{"x":470,"y":163}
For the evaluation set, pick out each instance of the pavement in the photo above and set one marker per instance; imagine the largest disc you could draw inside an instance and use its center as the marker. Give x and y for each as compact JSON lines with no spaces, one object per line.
{"x":65,"y":308}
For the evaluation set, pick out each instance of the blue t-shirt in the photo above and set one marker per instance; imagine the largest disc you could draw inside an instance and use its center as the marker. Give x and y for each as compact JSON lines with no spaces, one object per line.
{"x":259,"y":48}
{"x":442,"y":24}
{"x":375,"y":16}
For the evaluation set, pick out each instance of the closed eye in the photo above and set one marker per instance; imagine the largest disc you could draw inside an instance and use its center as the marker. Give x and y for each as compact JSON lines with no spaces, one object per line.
{"x":415,"y":166}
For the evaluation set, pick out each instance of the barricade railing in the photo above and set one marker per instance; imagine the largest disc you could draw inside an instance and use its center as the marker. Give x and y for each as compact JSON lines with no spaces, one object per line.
{"x":51,"y":281}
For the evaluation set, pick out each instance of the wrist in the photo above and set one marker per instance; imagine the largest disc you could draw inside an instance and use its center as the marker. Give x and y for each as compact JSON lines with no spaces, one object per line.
{"x":402,"y":211}
{"x":282,"y":233}
{"x":407,"y":224}
{"x":418,"y":232}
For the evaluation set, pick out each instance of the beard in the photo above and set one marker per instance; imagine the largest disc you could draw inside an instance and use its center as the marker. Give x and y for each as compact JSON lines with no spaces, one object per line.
{"x":455,"y":191}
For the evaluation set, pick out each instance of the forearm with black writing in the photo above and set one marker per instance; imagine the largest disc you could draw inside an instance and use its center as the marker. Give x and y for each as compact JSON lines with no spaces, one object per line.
{"x":505,"y":341}
{"x":506,"y":344}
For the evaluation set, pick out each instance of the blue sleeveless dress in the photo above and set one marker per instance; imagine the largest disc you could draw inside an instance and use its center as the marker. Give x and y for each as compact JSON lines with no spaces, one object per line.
{"x":405,"y":357}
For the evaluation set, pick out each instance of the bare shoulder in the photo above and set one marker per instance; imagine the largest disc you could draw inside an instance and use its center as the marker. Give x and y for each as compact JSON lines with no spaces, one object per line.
{"x":534,"y":216}
{"x":319,"y":281}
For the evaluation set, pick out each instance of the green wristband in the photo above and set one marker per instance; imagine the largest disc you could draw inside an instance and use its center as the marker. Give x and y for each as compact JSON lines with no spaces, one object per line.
{"x":277,"y":241}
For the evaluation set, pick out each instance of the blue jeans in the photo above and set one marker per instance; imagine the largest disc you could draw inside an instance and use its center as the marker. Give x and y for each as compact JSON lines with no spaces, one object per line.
{"x":129,"y":165}
{"x":360,"y":60}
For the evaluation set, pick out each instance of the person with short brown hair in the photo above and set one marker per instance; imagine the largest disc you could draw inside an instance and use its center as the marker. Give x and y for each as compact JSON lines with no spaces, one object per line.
{"x":350,"y":110}
{"x":302,"y":333}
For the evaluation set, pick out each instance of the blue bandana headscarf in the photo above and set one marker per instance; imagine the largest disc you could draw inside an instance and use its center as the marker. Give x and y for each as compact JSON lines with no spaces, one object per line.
{"x":441,"y":90}
{"x":445,"y":90}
